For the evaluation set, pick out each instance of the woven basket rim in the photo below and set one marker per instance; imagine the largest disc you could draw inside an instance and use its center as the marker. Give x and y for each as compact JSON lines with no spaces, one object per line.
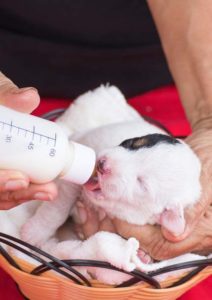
{"x":55,"y":278}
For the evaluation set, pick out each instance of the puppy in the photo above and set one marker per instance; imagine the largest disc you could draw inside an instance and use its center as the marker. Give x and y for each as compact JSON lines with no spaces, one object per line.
{"x":148,"y":179}
{"x":143,"y":176}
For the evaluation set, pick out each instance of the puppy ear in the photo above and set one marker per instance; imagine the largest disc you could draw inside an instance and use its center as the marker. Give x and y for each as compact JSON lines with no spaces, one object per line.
{"x":172,"y":219}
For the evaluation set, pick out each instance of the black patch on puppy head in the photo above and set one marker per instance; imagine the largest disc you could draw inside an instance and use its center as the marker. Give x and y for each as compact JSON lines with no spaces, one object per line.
{"x":148,"y":141}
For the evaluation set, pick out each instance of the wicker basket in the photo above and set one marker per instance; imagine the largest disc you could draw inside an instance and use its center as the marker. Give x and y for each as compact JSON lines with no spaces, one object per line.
{"x":51,"y":286}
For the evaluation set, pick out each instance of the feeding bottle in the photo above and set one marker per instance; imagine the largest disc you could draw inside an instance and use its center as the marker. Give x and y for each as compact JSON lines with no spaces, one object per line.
{"x":40,"y":149}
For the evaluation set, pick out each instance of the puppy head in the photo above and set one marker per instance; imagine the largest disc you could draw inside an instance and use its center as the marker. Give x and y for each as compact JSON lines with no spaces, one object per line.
{"x":144,"y":176}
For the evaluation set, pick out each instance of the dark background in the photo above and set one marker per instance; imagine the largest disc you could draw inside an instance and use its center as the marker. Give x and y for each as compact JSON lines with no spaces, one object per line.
{"x":65,"y":47}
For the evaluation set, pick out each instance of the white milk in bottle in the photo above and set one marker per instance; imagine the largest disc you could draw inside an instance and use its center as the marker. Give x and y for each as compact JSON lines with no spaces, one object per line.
{"x":40,"y":149}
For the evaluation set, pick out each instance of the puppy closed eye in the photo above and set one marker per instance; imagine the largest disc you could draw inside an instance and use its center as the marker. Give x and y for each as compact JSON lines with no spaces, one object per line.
{"x":140,"y":180}
{"x":141,"y":183}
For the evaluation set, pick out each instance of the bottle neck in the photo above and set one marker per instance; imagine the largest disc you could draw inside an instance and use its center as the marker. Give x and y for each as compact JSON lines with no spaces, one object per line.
{"x":81,"y":165}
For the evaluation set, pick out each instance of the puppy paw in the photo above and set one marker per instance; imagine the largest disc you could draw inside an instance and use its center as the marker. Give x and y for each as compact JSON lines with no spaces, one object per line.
{"x":138,"y":259}
{"x":131,"y":248}
{"x":60,"y":251}
{"x":144,"y":257}
{"x":68,"y":249}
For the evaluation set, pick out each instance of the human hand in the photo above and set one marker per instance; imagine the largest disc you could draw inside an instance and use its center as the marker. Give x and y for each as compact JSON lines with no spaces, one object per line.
{"x":201,"y":143}
{"x":153,"y":242}
{"x":88,"y":221}
{"x":15,"y":187}
{"x":151,"y":238}
{"x":21,"y":99}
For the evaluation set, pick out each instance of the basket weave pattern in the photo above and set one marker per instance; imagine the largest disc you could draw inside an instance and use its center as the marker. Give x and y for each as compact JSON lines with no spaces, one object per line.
{"x":54,"y":287}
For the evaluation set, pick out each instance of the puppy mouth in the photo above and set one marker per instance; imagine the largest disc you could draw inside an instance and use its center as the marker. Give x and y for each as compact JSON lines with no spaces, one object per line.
{"x":92,"y":184}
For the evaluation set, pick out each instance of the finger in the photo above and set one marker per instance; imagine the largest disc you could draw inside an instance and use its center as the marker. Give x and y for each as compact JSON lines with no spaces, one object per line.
{"x":88,"y":218}
{"x":152,"y":241}
{"x":200,"y":142}
{"x":82,"y":215}
{"x":7,"y":205}
{"x":21,"y":99}
{"x":192,"y":217}
{"x":199,"y":241}
{"x":11,"y":180}
{"x":34,"y":192}
{"x":107,"y":225}
{"x":193,"y":214}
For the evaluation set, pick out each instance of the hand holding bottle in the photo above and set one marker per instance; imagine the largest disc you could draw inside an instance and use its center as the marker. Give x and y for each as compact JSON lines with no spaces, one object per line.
{"x":15,"y":186}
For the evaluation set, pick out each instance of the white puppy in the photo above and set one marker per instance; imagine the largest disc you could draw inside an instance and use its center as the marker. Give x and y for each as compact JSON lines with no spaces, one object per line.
{"x":105,"y":105}
{"x":143,"y":176}
{"x":149,"y":178}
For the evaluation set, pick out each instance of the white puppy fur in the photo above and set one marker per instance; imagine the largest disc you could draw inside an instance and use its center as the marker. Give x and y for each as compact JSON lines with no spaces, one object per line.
{"x":148,"y":185}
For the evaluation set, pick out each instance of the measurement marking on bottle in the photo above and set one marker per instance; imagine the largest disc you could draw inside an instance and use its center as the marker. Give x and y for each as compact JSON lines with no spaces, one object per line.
{"x":55,"y":139}
{"x":26,"y":131}
{"x":33,"y":132}
{"x":8,"y":139}
{"x":11,"y":126}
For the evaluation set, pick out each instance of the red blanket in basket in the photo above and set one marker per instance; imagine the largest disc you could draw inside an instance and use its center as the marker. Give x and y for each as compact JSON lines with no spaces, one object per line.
{"x":163,"y":105}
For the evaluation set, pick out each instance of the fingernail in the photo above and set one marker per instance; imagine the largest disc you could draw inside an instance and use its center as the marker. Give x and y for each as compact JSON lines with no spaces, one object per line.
{"x":79,"y":204}
{"x":172,"y":236}
{"x":81,"y":235}
{"x":13,"y":185}
{"x":23,"y":90}
{"x":42,"y":196}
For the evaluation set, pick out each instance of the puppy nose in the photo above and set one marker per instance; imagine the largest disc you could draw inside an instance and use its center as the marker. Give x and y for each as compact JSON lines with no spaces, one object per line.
{"x":101,"y":165}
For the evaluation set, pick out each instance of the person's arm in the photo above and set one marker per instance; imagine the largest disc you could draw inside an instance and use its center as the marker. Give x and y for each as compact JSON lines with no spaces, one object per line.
{"x":185,"y":31}
{"x":15,"y":187}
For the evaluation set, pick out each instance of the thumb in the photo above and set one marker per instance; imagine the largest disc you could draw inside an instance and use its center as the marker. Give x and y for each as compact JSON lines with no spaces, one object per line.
{"x":195,"y":213}
{"x":152,"y":241}
{"x":21,"y":99}
{"x":192,"y":217}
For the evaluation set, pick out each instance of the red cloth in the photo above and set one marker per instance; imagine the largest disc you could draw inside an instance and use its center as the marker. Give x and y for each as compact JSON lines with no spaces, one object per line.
{"x":162,"y":105}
